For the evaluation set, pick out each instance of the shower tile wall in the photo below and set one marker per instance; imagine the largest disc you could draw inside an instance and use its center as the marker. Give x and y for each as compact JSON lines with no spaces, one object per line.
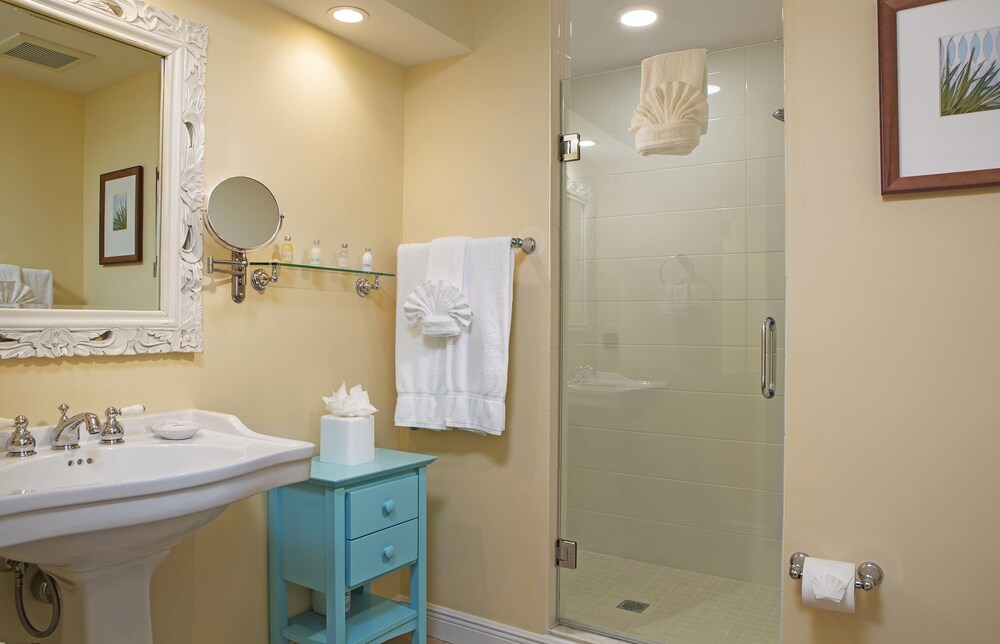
{"x":670,"y":265}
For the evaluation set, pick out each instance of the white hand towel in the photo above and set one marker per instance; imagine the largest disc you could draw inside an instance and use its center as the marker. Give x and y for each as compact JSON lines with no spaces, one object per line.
{"x":10,"y":273}
{"x":15,"y":295}
{"x":40,"y":282}
{"x":438,"y":306}
{"x":477,"y":361}
{"x":420,"y":359}
{"x":673,"y":106}
{"x":676,"y":299}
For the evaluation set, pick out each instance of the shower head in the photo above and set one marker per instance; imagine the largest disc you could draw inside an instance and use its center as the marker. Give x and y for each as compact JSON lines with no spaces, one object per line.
{"x":779,"y":114}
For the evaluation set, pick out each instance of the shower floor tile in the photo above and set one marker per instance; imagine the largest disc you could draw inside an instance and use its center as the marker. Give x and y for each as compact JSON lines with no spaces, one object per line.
{"x":684,"y":607}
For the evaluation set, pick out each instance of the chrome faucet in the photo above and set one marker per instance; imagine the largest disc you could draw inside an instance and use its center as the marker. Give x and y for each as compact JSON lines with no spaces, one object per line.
{"x":66,"y":434}
{"x":586,"y":372}
{"x":112,"y":432}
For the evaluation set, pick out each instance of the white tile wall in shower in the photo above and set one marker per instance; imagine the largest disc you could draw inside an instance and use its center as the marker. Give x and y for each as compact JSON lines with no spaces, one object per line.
{"x":687,"y":475}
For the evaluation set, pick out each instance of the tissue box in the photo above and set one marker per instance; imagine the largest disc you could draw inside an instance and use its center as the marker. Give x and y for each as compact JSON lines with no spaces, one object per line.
{"x":346,"y":441}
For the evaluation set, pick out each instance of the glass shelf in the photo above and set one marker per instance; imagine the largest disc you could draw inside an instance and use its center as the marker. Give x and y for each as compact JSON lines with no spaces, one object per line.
{"x":329,"y":269}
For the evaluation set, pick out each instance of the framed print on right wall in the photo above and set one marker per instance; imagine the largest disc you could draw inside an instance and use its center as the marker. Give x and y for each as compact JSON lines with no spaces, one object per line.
{"x":939,"y":81}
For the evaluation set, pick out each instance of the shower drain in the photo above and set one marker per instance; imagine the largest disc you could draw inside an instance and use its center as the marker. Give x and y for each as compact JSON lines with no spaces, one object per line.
{"x":632,"y":606}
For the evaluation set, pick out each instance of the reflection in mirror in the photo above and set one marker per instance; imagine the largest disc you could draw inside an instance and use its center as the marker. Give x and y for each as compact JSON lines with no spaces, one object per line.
{"x":170,"y":319}
{"x":76,"y":106}
{"x":243,"y":215}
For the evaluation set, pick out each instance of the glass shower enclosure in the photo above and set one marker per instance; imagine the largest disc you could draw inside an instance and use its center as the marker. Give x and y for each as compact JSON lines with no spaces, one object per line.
{"x":671,"y":457}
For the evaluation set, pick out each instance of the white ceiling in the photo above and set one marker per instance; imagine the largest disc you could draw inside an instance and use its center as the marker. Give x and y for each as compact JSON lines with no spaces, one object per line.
{"x":599,"y":43}
{"x":113,"y":61}
{"x":407,"y":32}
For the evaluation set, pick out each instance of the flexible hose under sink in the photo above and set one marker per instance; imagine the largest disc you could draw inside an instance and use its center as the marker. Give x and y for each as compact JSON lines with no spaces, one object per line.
{"x":19,"y":569}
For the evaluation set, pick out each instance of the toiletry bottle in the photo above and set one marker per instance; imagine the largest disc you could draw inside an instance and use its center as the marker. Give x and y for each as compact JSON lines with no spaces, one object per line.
{"x":343,"y":260}
{"x":287,"y":251}
{"x":315,"y":254}
{"x":366,"y":260}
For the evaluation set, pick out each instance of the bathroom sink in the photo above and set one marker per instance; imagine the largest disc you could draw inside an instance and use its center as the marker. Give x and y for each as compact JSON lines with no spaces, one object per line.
{"x":121,"y":508}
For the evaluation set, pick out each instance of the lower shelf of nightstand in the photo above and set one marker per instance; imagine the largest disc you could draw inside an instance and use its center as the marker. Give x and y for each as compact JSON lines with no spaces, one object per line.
{"x":372,"y":619}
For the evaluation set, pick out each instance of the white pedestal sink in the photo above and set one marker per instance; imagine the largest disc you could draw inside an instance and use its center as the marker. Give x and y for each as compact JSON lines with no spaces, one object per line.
{"x":101,"y":518}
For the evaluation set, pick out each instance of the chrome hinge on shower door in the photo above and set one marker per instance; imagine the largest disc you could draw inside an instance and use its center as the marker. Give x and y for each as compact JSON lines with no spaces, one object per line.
{"x":565,"y":553}
{"x":569,"y":147}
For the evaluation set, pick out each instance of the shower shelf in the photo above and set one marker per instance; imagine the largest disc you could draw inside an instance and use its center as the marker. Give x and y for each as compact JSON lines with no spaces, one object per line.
{"x":260,"y":279}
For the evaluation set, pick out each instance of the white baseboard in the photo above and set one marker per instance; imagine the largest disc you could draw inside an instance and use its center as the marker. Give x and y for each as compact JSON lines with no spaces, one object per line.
{"x":461,"y":628}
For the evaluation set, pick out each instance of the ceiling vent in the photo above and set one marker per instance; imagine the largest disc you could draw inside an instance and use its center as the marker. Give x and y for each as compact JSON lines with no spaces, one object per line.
{"x":42,"y":53}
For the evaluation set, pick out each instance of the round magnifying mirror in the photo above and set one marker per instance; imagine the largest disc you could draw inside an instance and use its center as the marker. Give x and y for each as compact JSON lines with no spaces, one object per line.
{"x":243,"y":214}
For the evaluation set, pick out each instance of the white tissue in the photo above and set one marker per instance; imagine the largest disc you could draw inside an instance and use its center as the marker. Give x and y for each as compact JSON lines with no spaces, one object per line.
{"x":828,"y":585}
{"x":349,"y":405}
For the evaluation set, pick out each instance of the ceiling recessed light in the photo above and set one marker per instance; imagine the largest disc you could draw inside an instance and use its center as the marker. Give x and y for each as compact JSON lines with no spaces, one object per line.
{"x":637,"y":16}
{"x":587,"y":143}
{"x":714,"y":89}
{"x":348,"y":14}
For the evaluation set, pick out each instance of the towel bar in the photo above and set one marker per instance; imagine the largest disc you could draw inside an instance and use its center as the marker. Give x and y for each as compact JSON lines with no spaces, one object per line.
{"x":870,"y":573}
{"x":527,"y":244}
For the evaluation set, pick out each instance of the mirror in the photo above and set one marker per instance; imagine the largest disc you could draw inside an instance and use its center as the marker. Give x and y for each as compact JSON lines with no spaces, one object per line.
{"x":74,"y":169}
{"x":243,"y":214}
{"x":101,"y":178}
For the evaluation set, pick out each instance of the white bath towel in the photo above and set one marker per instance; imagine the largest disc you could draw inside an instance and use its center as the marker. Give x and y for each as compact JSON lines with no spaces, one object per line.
{"x":39,"y":280}
{"x":458,"y":382}
{"x":476,"y":368}
{"x":439,"y":306}
{"x":420,"y":359}
{"x":672,"y":113}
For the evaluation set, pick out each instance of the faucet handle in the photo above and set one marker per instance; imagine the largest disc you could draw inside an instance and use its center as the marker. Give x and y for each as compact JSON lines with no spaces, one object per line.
{"x":64,"y":408}
{"x":6,"y":422}
{"x":21,"y":442}
{"x":112,"y":432}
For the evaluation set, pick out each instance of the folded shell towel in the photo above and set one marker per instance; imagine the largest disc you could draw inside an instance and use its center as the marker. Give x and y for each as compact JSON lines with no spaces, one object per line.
{"x":15,"y":295}
{"x":439,"y":306}
{"x":673,"y":107}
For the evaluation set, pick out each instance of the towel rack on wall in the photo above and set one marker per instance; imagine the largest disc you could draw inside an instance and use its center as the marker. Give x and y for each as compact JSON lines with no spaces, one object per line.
{"x":527,"y":244}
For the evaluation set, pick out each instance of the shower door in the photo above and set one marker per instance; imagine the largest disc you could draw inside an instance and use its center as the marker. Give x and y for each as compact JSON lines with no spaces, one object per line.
{"x":671,"y":457}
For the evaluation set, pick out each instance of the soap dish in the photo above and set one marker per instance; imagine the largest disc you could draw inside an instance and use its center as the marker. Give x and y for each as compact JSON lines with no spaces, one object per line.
{"x":175,"y":430}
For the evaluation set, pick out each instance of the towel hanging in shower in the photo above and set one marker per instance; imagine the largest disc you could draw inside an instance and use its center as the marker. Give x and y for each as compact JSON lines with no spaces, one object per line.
{"x":673,"y":106}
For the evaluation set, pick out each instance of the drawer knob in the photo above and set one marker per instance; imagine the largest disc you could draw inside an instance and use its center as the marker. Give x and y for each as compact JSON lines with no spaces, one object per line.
{"x":388,"y":553}
{"x":388,"y":507}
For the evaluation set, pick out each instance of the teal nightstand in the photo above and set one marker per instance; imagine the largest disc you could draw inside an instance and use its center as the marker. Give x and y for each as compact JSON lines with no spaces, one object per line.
{"x":344,"y":527}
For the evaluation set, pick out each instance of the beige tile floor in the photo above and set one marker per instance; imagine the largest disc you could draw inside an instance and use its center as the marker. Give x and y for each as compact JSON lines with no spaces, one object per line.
{"x":685,"y":607}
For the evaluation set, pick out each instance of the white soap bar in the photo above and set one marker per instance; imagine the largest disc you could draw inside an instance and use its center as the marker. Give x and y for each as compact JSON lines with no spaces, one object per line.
{"x":346,"y":441}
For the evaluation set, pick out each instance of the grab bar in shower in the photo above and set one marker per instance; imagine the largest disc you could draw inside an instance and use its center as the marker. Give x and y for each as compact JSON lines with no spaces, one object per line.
{"x":768,"y":354}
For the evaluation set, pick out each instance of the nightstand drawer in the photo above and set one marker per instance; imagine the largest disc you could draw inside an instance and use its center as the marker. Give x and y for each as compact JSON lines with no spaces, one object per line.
{"x":376,"y":554}
{"x":378,"y":507}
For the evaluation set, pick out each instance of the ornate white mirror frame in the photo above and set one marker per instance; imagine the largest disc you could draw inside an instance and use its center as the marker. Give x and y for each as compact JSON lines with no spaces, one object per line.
{"x":176,"y":327}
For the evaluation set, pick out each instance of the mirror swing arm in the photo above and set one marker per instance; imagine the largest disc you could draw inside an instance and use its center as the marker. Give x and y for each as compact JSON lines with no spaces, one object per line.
{"x":259,"y":279}
{"x":177,"y":325}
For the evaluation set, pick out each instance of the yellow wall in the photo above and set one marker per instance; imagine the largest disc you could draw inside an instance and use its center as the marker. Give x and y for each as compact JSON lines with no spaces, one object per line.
{"x":892,"y":443}
{"x":477,"y":162}
{"x":41,"y":165}
{"x":130,"y":136}
{"x":318,"y":121}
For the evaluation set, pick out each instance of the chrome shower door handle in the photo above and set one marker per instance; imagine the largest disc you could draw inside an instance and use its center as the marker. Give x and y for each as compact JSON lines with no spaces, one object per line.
{"x":768,"y":354}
